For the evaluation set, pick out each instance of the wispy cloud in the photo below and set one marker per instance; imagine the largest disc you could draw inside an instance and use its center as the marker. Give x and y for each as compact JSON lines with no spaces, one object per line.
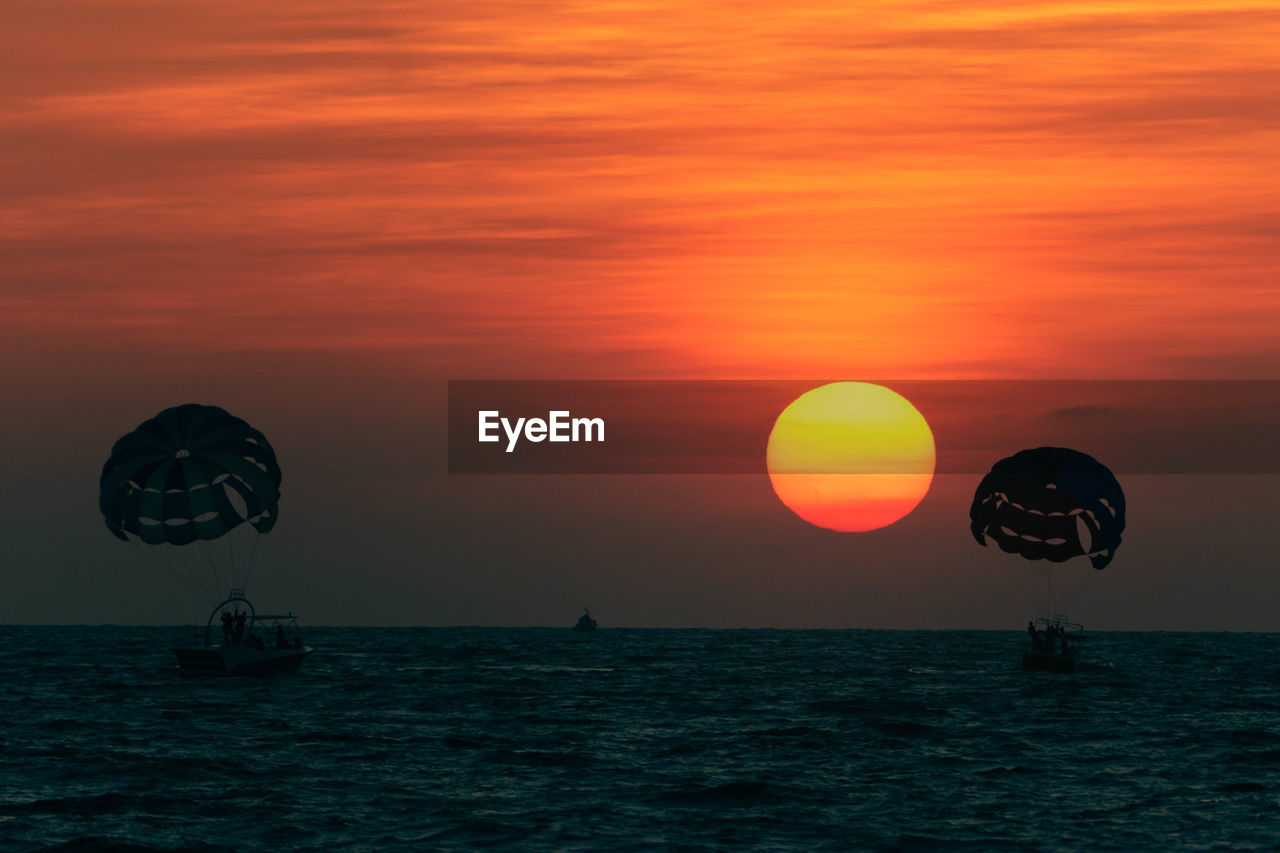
{"x":917,"y":189}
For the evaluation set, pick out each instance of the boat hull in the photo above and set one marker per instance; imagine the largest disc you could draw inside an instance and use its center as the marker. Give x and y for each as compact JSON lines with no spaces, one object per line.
{"x":1049,"y":662}
{"x":214,"y":661}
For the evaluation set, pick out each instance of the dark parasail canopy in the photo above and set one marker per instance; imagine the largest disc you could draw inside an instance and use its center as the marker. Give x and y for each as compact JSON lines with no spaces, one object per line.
{"x":192,"y":472}
{"x":1035,"y":503}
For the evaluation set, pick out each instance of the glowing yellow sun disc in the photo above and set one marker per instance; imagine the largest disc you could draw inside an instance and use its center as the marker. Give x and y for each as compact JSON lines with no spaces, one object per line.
{"x":851,"y":456}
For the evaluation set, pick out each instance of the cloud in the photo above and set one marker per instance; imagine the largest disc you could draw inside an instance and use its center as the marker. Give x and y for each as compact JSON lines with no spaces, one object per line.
{"x":755,"y":191}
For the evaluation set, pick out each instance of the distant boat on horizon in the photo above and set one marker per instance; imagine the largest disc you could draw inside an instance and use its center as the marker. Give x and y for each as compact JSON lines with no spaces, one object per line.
{"x":585,"y":622}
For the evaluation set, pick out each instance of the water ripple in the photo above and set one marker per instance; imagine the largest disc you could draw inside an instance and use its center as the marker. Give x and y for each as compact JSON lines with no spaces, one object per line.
{"x":537,"y":739}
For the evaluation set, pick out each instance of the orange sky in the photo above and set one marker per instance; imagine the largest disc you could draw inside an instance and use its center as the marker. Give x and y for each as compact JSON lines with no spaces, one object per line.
{"x":314,"y":213}
{"x":643,"y":189}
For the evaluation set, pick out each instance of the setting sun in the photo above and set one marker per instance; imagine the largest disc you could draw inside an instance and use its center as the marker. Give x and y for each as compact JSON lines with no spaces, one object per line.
{"x":851,"y":456}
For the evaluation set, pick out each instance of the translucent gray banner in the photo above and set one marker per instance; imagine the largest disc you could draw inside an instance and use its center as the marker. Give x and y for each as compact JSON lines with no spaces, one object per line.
{"x":723,"y":427}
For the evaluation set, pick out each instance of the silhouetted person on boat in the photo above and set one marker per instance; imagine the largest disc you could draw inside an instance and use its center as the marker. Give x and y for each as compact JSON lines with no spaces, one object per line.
{"x":226,"y":626}
{"x":240,"y":620}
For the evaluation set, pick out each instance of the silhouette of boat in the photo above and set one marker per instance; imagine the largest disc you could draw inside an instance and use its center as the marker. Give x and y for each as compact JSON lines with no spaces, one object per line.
{"x":585,"y":622}
{"x":240,"y":641}
{"x":1054,"y":646}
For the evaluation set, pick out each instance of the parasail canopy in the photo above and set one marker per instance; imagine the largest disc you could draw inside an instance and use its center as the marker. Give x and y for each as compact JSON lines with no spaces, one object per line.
{"x":190,"y":473}
{"x":1050,"y":503}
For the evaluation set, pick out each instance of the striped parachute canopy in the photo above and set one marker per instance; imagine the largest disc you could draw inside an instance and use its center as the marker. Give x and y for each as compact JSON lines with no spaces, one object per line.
{"x":1050,"y":503}
{"x":190,"y":473}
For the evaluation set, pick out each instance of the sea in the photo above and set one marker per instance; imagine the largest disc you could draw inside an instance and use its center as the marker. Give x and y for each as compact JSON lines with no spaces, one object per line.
{"x":537,"y":739}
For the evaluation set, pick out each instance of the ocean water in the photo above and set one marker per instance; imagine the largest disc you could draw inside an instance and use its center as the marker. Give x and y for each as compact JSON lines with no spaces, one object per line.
{"x":547,"y":739}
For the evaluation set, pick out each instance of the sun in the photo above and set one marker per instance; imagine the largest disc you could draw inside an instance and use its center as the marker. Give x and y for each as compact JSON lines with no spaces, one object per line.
{"x":851,"y":456}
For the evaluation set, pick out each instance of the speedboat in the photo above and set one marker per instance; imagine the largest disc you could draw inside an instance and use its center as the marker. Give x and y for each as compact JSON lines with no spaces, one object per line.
{"x":1054,"y":645}
{"x":585,"y":622}
{"x":240,"y":641}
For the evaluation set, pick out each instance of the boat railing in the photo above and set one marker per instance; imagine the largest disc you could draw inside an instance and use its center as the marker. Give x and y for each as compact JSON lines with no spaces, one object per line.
{"x":1057,"y":638}
{"x":279,"y":630}
{"x":1058,"y":622}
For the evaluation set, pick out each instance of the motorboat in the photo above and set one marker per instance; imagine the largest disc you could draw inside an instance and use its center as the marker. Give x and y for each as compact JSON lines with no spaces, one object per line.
{"x":585,"y":622}
{"x":240,"y":641}
{"x":1054,"y":645}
